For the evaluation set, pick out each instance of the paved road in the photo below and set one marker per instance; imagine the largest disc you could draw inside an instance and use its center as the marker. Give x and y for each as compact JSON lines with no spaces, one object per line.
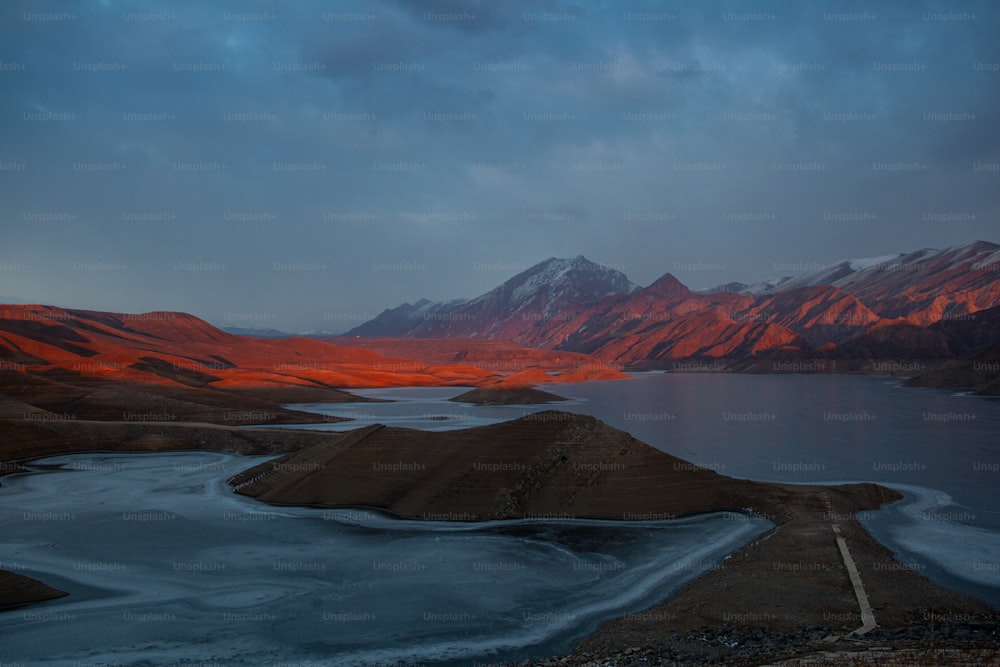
{"x":867,"y":617}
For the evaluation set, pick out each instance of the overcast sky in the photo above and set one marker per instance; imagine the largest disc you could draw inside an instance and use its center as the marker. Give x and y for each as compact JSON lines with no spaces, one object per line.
{"x":304,"y":165}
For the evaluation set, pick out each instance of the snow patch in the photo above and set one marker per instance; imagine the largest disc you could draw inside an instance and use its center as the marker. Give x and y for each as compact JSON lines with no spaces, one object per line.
{"x":869,"y":262}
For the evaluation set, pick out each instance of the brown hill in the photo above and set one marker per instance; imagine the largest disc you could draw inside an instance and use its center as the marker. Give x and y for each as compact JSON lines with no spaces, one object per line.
{"x":180,"y":354}
{"x":979,"y":372}
{"x":558,"y":465}
{"x":547,"y":463}
{"x":177,"y":349}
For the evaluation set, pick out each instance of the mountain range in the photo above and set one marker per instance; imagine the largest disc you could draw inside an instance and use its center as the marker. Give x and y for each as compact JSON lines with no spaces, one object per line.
{"x":927,"y":304}
{"x":570,"y":317}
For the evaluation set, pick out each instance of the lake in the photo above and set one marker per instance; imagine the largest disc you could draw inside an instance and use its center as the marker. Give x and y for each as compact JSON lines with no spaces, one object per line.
{"x":166,"y":565}
{"x":941,"y":448}
{"x":787,"y":428}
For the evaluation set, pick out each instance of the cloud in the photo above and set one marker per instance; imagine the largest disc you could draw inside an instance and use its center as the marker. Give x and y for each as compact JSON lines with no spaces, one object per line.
{"x":395,"y":132}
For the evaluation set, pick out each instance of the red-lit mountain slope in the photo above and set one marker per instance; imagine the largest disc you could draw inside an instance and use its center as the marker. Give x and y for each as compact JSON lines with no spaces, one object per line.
{"x":874,"y":307}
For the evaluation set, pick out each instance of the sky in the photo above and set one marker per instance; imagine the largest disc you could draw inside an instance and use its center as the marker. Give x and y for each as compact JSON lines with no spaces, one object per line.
{"x":305,"y":165}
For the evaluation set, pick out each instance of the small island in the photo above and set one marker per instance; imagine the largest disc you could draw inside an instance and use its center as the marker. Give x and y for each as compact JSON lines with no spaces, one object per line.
{"x":502,"y":395}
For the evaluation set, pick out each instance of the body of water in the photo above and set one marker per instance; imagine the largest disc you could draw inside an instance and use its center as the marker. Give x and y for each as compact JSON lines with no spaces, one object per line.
{"x":787,"y":428}
{"x":166,"y":565}
{"x":941,"y":448}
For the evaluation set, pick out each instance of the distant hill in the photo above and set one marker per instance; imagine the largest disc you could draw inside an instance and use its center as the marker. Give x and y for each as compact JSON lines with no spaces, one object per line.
{"x":874,"y":308}
{"x":257,"y":333}
{"x":99,"y":365}
{"x":172,"y":348}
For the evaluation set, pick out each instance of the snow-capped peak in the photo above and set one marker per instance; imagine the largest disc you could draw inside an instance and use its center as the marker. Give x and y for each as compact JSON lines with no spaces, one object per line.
{"x":577,"y":280}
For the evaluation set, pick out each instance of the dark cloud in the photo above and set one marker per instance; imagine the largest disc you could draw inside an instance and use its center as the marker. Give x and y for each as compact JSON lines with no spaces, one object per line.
{"x":309,"y":163}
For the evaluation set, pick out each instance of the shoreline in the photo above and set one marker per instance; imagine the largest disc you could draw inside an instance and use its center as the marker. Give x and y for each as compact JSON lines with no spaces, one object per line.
{"x":544,"y":554}
{"x":704,"y":602}
{"x":664,"y":630}
{"x":734,"y":601}
{"x":797,"y":567}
